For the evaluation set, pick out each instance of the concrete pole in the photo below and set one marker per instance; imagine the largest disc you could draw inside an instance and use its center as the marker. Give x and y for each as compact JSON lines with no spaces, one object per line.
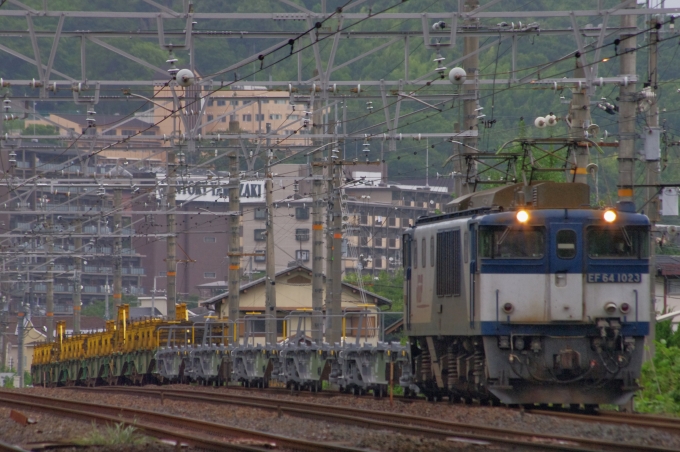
{"x":171,"y":268}
{"x":117,"y":249}
{"x":336,"y":254}
{"x":78,"y":263}
{"x":234,"y":241}
{"x":328,"y":301}
{"x":20,"y":344}
{"x":627,"y":109}
{"x":270,"y":282}
{"x":579,"y":111}
{"x":471,"y":66}
{"x":317,"y":233}
{"x":653,"y":170}
{"x":49,"y":297}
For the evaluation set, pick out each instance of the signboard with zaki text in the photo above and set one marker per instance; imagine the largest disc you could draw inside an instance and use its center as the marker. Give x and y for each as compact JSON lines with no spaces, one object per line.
{"x":215,"y":190}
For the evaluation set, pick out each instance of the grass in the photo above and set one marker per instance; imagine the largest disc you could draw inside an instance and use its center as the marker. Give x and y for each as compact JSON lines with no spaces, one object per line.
{"x":114,"y":434}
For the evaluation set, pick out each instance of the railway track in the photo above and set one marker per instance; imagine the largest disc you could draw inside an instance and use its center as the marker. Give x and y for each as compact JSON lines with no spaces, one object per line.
{"x":614,"y":417}
{"x":159,"y":425}
{"x":405,"y":424}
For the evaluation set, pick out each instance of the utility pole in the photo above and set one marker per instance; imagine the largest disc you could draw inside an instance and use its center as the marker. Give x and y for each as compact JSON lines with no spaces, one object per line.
{"x":117,"y":249}
{"x":270,"y":283}
{"x":170,"y":258}
{"x":627,"y":108}
{"x":20,"y":343}
{"x":317,"y":232}
{"x":234,"y":242}
{"x":49,"y":297}
{"x":107,"y":315}
{"x":579,"y":110}
{"x":335,"y":233}
{"x":652,"y":134}
{"x":78,"y":261}
{"x":471,"y":66}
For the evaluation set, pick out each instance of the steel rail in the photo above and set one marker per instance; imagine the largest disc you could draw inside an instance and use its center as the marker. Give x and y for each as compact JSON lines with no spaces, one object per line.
{"x":6,"y":447}
{"x":145,"y":420}
{"x":405,"y":424}
{"x":638,"y":420}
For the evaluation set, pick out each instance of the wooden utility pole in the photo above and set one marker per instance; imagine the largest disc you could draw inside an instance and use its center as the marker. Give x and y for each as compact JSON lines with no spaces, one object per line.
{"x":234,"y":241}
{"x":117,"y":249}
{"x":270,"y":280}
{"x":171,"y":265}
{"x":78,"y":269}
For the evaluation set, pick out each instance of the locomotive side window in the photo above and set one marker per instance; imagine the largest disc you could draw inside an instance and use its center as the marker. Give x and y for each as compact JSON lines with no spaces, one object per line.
{"x":431,"y":251}
{"x":449,"y":272}
{"x":502,"y":242}
{"x":424,"y":253}
{"x":618,"y":242}
{"x":414,"y":250}
{"x":566,"y":243}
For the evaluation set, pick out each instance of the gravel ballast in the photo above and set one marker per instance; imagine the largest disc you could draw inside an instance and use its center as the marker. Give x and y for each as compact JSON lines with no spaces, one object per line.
{"x":50,"y":428}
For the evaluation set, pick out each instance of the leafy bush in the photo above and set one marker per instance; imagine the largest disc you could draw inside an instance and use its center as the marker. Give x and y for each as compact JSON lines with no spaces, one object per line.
{"x":660,"y":379}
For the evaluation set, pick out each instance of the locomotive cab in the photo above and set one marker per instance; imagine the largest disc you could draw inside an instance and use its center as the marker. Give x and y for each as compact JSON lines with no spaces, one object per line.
{"x":550,"y":299}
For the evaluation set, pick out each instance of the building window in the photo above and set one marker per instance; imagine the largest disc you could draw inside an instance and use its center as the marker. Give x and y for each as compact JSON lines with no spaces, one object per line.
{"x":210,"y":275}
{"x":377,"y":241}
{"x":302,"y":255}
{"x":363,"y":241}
{"x":162,"y":273}
{"x":128,"y":132}
{"x":391,"y":221}
{"x":294,"y":117}
{"x":280,"y":101}
{"x":223,"y":119}
{"x":211,"y":102}
{"x":274,"y":116}
{"x":247,"y":118}
{"x":302,"y":235}
{"x":209,"y":239}
{"x":210,"y":117}
{"x":265,"y":101}
{"x":259,"y":117}
{"x":149,"y":132}
{"x":260,"y":213}
{"x":247,"y":102}
{"x":405,"y":222}
{"x":302,"y":213}
{"x":233,"y":103}
{"x":260,"y":256}
{"x":378,"y":262}
{"x":260,"y":235}
{"x":392,"y":243}
{"x":363,"y":219}
{"x":221,"y":102}
{"x":110,"y":132}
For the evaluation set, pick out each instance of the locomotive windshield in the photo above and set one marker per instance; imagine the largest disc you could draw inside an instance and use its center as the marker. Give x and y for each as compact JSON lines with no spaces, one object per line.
{"x":502,"y":242}
{"x":618,"y":242}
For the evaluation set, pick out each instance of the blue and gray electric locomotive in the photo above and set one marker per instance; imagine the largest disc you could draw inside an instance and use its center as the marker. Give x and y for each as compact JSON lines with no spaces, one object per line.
{"x":524,"y":294}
